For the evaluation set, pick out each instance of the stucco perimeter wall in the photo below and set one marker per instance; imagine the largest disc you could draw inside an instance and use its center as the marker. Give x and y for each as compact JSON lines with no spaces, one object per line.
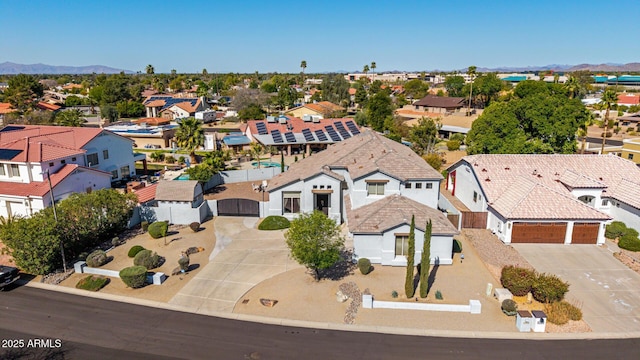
{"x":474,"y":307}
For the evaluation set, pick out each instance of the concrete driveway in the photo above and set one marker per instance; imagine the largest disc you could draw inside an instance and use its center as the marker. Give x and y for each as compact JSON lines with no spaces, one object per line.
{"x":608,"y":290}
{"x":243,"y":257}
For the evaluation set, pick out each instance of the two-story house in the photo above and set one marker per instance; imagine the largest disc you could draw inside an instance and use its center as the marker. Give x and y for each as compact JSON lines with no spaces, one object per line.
{"x":359,"y":180}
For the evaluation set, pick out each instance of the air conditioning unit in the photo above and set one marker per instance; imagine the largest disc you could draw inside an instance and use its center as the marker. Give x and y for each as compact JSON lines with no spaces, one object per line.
{"x":306,"y":117}
{"x":282,"y":119}
{"x":316,"y":118}
{"x":271,"y":119}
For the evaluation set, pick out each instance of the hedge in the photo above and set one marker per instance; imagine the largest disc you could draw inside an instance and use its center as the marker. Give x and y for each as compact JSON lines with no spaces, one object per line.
{"x":134,"y":251}
{"x":549,"y":288}
{"x":158,"y":229}
{"x":134,"y":276}
{"x":96,"y":258}
{"x":148,"y":259}
{"x":629,"y":242}
{"x":274,"y":223}
{"x":615,"y":230}
{"x":517,"y":280}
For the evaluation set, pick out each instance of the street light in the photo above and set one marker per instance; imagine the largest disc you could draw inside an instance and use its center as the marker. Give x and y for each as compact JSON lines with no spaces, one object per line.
{"x":55,"y":217}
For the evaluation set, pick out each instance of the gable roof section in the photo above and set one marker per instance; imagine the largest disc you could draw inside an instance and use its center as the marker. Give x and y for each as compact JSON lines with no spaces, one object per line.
{"x":72,"y":137}
{"x":167,"y":101}
{"x":41,"y":188}
{"x":574,"y":180}
{"x":440,"y":101}
{"x":392,"y":211}
{"x":360,"y":155}
{"x":146,"y":193}
{"x":176,"y":190}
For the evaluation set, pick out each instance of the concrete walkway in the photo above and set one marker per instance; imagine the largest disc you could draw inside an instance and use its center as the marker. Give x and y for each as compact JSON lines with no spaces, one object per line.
{"x":242,"y":258}
{"x":608,"y":290}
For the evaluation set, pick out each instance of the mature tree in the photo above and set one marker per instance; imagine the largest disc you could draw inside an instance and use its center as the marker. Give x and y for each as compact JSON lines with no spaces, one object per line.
{"x":252,"y":112}
{"x":361,"y":95}
{"x":115,"y":89}
{"x":423,"y":135}
{"x":425,"y":262}
{"x":130,"y":108}
{"x":583,"y":131}
{"x":269,"y":87}
{"x":454,"y":84}
{"x":205,"y":72}
{"x":315,"y":242}
{"x":256,"y":151}
{"x":150,"y":70}
{"x":23,"y":92}
{"x":379,"y":108}
{"x":249,"y":97}
{"x":109,"y":114}
{"x":303,"y":65}
{"x":416,"y":88}
{"x":487,"y":87}
{"x":335,"y":88}
{"x":286,"y":97}
{"x":173,"y":72}
{"x":609,"y":98}
{"x":471,"y":71}
{"x":71,"y":117}
{"x":409,"y":289}
{"x":190,"y":136}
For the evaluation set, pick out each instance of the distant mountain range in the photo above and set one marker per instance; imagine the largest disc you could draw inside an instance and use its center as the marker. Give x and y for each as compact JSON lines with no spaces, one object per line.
{"x":13,"y":68}
{"x":630,"y":67}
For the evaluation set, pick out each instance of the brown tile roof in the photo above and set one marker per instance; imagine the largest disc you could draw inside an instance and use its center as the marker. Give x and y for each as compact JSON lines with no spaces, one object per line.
{"x":155,"y":103}
{"x":153,"y":121}
{"x":5,"y":108}
{"x":440,"y":101}
{"x":361,"y":155}
{"x":557,"y":173}
{"x":146,"y":193}
{"x":46,"y":106}
{"x":395,"y":210}
{"x":186,"y":106}
{"x":323,"y":107}
{"x":176,"y":190}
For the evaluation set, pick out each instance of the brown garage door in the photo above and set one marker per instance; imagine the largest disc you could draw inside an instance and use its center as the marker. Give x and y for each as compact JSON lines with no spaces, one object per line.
{"x":541,"y":233}
{"x":238,"y":207}
{"x":585,"y":233}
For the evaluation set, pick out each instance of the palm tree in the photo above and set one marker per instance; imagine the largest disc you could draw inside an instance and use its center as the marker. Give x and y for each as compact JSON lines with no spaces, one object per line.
{"x":150,"y":70}
{"x":471,"y":71}
{"x":70,"y":118}
{"x":373,"y":68}
{"x":205,"y":72}
{"x":572,"y":86}
{"x":609,"y":98}
{"x":256,"y":151}
{"x":583,"y":130}
{"x":190,"y":136}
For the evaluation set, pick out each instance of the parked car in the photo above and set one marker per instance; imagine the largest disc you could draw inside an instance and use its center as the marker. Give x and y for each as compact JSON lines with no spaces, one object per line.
{"x":8,"y":274}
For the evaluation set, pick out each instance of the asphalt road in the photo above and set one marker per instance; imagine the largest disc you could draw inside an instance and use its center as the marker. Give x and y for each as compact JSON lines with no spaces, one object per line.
{"x":97,"y":329}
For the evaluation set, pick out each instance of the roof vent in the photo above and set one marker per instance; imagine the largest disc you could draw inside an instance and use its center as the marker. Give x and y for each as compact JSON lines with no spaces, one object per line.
{"x":316,"y":118}
{"x":487,"y":179}
{"x":371,"y":157}
{"x":484,"y":170}
{"x":539,"y":175}
{"x":507,"y":168}
{"x":535,"y":172}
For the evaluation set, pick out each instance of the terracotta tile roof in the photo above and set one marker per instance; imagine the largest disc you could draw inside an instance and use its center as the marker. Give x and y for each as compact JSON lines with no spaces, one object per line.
{"x":395,"y":210}
{"x":628,"y":99}
{"x":188,"y":106}
{"x":155,"y":103}
{"x":152,"y":121}
{"x":557,"y":173}
{"x":71,"y":137}
{"x":5,"y":108}
{"x":440,"y":101}
{"x":361,"y":155}
{"x":72,"y":86}
{"x":176,"y":190}
{"x":46,"y":106}
{"x":39,"y":149}
{"x":146,"y":193}
{"x":41,"y":188}
{"x":296,"y":124}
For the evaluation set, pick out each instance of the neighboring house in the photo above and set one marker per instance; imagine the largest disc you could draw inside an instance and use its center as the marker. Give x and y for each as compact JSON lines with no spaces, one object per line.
{"x":548,"y":198}
{"x":628,"y":99}
{"x":631,"y":150}
{"x":300,"y":135}
{"x":145,"y":135}
{"x":48,"y":107}
{"x":632,"y":120}
{"x":5,"y":108}
{"x":323,"y":108}
{"x":358,"y":181}
{"x":439,"y":104}
{"x":172,"y":108}
{"x":176,"y":201}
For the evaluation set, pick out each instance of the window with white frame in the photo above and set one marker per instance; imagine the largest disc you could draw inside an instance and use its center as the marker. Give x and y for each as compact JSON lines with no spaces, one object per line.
{"x":291,"y":202}
{"x":105,"y":154}
{"x":407,"y":185}
{"x":92,"y":159}
{"x":402,"y":244}
{"x":124,"y":171}
{"x":2,"y":172}
{"x":14,"y":170}
{"x":375,"y":188}
{"x":418,"y":185}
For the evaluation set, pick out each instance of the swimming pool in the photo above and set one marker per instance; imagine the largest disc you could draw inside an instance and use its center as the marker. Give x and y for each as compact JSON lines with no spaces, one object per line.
{"x":182,"y":177}
{"x":266,"y":164}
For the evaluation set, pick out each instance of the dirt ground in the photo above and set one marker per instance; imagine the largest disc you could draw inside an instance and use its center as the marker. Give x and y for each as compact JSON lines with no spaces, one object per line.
{"x":181,"y":238}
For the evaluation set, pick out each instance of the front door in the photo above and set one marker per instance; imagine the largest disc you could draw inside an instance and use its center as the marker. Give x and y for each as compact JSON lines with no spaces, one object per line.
{"x":321,"y":203}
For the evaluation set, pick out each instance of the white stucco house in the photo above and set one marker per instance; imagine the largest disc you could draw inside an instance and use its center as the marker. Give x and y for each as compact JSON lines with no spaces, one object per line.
{"x":176,"y":201}
{"x":360,"y":178}
{"x":556,"y":198}
{"x":77,"y":160}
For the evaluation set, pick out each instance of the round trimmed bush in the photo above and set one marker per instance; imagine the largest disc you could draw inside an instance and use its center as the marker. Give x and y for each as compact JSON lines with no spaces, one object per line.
{"x":158,"y":229}
{"x":135,"y":249}
{"x":549,"y":288}
{"x":96,"y":258}
{"x":517,"y":280}
{"x":629,"y":242}
{"x":615,"y":230}
{"x":148,"y":259}
{"x":453,"y":145}
{"x":195,"y":226}
{"x":274,"y":222}
{"x":509,"y":307}
{"x":144,"y":225}
{"x":364,"y":265}
{"x":457,"y":246}
{"x":134,"y":276}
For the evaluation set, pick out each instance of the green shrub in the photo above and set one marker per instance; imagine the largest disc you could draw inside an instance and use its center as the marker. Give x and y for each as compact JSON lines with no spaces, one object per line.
{"x":170,"y":160}
{"x":148,"y":259}
{"x":364,"y":265}
{"x":457,"y":246}
{"x":158,"y":229}
{"x":182,"y":160}
{"x":144,"y":225}
{"x":561,"y":312}
{"x":92,"y":282}
{"x":458,"y":136}
{"x":549,"y":288}
{"x":83,"y":256}
{"x":183,"y":262}
{"x":509,"y":307}
{"x":615,"y":230}
{"x":394,"y":294}
{"x":195,"y":226}
{"x":629,"y":242}
{"x":96,"y":258}
{"x":274,"y":223}
{"x":116,"y":241}
{"x":438,"y":295}
{"x":134,"y":276}
{"x":134,"y":251}
{"x":453,"y":145}
{"x":517,"y":280}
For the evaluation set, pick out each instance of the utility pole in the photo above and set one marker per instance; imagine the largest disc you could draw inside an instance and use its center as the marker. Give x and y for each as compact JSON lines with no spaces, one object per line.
{"x":55,"y":216}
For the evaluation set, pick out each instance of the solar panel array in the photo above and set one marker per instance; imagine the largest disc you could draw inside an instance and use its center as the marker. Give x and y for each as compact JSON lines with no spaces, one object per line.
{"x":170,"y":101}
{"x":353,"y":128}
{"x":332,"y":133}
{"x":308,"y":136}
{"x":342,"y":130}
{"x":277,"y":136}
{"x":290,"y":137}
{"x":262,"y":128}
{"x":321,"y":135}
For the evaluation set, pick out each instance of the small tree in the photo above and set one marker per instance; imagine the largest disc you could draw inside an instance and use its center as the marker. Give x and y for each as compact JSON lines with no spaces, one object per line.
{"x":315,"y":242}
{"x":425,"y":261}
{"x":281,"y":162}
{"x":409,"y":290}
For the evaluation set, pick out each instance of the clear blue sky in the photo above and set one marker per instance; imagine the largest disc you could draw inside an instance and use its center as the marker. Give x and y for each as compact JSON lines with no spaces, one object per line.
{"x":265,"y":36}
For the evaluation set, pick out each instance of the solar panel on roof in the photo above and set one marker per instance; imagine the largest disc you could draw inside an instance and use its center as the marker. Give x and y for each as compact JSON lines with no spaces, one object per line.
{"x":321,"y":135}
{"x":353,"y":128}
{"x":262,"y":128}
{"x":308,"y":136}
{"x":339,"y":126}
{"x":332,"y":133}
{"x":277,"y":136}
{"x":345,"y":134}
{"x":290,"y":137}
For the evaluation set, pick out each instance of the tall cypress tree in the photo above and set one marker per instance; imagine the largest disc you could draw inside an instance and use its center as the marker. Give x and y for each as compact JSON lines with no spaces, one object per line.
{"x":425,"y":261}
{"x":409,"y":290}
